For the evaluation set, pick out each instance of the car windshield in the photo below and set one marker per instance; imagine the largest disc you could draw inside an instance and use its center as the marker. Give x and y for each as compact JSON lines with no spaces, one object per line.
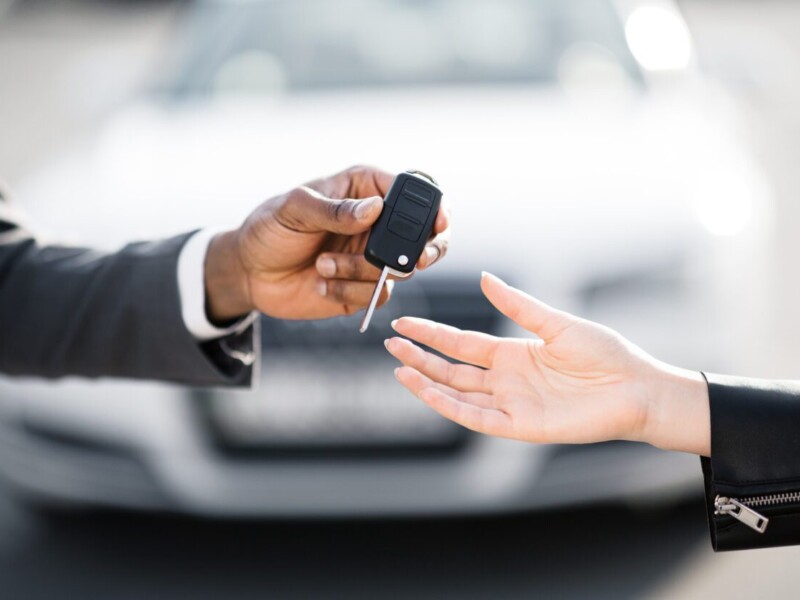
{"x":265,"y":46}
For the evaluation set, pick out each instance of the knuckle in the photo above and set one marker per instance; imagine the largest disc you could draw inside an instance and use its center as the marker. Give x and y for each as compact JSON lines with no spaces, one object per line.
{"x":282,"y":206}
{"x":288,"y":210}
{"x":349,"y":267}
{"x":296,"y":195}
{"x":408,"y":277}
{"x":450,"y":371}
{"x":436,"y":334}
{"x":346,"y":210}
{"x":484,"y":380}
{"x":335,"y":209}
{"x":431,"y":258}
{"x":515,"y":309}
{"x":422,"y":359}
{"x":385,"y":297}
{"x":336,"y":290}
{"x":359,"y":169}
{"x":481,"y":421}
{"x":461,"y":416}
{"x":458,"y":346}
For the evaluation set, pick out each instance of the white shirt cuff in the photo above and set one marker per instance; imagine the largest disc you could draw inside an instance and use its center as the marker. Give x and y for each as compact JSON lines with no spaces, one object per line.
{"x":192,"y":290}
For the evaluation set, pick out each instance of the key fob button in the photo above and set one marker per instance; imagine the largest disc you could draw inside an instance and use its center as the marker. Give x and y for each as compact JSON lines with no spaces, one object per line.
{"x":405,"y":227}
{"x":418,"y":193}
{"x":412,"y":209}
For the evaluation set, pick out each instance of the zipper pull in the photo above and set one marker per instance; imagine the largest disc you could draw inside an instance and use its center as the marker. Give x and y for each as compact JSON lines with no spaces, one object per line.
{"x":740,"y":512}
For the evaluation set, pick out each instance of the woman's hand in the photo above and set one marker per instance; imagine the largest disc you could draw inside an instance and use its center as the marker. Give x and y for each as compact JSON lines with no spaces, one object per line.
{"x":580,"y":382}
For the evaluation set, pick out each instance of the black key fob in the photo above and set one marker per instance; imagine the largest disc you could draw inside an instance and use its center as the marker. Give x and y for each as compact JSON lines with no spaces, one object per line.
{"x":398,"y":237}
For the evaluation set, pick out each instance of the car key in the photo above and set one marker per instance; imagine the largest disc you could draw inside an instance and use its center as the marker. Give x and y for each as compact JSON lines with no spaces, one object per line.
{"x":399,"y":236}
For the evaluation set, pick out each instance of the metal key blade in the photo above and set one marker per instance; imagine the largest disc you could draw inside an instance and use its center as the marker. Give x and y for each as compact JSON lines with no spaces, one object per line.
{"x":374,"y":302}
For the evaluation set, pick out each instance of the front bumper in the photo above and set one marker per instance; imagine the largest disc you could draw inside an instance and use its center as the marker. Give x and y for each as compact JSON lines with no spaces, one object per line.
{"x":485,"y":476}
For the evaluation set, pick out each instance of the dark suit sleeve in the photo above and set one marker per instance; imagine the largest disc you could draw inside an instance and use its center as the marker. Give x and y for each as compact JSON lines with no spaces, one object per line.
{"x":752,"y":478}
{"x":77,"y":311}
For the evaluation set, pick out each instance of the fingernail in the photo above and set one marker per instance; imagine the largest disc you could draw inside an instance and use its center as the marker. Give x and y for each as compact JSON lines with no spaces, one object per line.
{"x":495,"y":277}
{"x":386,"y":343}
{"x":365,"y":207}
{"x":432,"y":253}
{"x":396,"y":371}
{"x":322,"y":287}
{"x":394,"y":324}
{"x":326,"y":267}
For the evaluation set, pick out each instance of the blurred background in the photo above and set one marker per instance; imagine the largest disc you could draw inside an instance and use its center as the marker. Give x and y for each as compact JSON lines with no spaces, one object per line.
{"x":638,"y":158}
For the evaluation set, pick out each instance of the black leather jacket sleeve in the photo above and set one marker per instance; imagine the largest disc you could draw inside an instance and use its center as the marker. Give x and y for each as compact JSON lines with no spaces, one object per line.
{"x":752,"y":479}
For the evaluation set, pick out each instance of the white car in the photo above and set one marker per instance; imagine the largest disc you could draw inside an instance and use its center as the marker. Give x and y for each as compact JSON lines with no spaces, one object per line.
{"x":585,"y":160}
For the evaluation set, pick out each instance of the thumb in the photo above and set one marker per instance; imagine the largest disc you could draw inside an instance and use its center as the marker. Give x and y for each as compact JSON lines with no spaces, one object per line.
{"x":528,"y":312}
{"x":307,"y":210}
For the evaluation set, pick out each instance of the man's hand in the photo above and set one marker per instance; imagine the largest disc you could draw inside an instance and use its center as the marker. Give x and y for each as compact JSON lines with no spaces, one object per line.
{"x":580,"y":382}
{"x":301,"y":255}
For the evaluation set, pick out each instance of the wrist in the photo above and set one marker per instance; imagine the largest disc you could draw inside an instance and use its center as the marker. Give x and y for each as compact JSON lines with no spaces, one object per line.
{"x":678,"y":414}
{"x":226,"y":282}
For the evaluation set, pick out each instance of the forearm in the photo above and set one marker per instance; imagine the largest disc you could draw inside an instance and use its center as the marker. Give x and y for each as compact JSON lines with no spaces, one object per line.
{"x":745,"y":430}
{"x":678,"y":415}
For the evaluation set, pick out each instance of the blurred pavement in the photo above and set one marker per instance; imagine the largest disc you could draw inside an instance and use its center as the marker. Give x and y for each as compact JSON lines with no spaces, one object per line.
{"x":601,"y":552}
{"x":595,"y":553}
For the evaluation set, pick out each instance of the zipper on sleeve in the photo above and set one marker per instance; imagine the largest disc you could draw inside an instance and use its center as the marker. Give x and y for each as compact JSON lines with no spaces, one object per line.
{"x":743,"y":509}
{"x":741,"y":512}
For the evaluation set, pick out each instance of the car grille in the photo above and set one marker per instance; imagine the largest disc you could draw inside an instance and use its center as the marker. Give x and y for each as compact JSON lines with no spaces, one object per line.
{"x":326,"y":390}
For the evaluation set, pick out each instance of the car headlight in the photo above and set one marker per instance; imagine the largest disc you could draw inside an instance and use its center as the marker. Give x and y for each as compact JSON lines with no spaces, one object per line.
{"x":658,"y":38}
{"x":724,"y":202}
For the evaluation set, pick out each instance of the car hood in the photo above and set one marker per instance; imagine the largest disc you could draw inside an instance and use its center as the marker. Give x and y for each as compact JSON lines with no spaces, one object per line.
{"x":563,"y":187}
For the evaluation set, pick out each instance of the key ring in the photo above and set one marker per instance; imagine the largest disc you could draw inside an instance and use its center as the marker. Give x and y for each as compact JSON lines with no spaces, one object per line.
{"x":423,"y":174}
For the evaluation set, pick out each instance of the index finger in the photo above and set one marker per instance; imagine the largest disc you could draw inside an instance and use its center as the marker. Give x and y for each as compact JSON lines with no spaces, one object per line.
{"x":442,"y":222}
{"x":467,"y":346}
{"x":437,"y":245}
{"x":435,"y":250}
{"x":356,"y":182}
